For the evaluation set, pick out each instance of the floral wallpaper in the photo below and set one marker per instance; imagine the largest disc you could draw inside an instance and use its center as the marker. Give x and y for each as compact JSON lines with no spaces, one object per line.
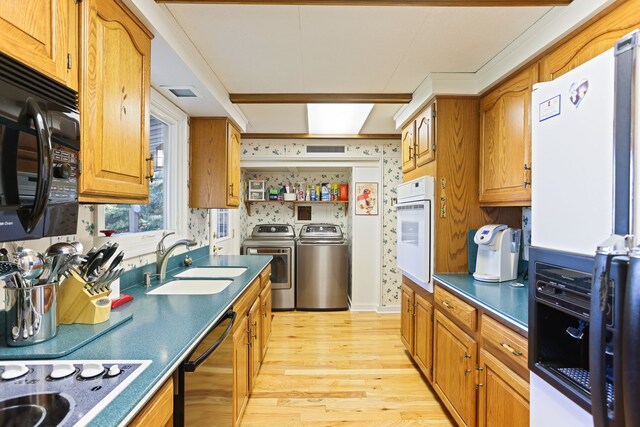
{"x":391,"y":177}
{"x":389,"y":155}
{"x":526,"y":232}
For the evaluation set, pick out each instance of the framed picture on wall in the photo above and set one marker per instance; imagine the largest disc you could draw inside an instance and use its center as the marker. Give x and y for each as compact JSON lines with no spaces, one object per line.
{"x":366,"y":198}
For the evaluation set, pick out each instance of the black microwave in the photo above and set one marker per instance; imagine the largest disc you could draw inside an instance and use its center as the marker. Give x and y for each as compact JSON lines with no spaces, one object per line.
{"x":39,"y":147}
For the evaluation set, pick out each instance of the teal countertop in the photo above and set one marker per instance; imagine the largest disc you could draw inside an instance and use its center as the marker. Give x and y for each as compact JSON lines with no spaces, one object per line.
{"x":164,"y":329}
{"x":509,"y":303}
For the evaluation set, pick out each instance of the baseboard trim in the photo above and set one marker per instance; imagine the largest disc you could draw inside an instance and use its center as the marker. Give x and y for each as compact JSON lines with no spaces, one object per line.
{"x":384,"y":309}
{"x":363,"y":307}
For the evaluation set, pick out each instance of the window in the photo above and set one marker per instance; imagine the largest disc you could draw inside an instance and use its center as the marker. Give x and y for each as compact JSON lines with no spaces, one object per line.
{"x":150,"y":217}
{"x":222,"y":221}
{"x":140,"y":227}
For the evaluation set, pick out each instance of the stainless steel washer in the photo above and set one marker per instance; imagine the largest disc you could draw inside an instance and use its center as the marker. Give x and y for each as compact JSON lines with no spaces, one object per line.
{"x":323,"y":268}
{"x":277,"y":240}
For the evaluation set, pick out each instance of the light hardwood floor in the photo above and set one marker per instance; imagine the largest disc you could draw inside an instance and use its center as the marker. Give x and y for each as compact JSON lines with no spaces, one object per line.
{"x":346,"y":368}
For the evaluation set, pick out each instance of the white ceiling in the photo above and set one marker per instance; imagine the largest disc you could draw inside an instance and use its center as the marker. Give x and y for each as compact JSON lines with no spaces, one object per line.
{"x":285,"y":49}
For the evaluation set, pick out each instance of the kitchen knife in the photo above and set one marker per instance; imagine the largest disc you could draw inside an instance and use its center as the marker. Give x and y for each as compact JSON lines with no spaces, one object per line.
{"x":93,"y":266}
{"x":108,"y":253}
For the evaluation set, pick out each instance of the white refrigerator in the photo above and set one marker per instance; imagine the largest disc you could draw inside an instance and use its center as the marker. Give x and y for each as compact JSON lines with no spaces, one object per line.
{"x":583,"y":178}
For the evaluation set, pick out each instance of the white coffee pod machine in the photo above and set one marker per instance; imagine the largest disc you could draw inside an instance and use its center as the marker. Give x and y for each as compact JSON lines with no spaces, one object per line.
{"x":498,"y":251}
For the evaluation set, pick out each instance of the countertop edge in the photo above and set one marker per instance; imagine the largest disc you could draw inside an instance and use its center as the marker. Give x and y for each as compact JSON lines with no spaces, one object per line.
{"x":152,"y":391}
{"x":511,"y":321}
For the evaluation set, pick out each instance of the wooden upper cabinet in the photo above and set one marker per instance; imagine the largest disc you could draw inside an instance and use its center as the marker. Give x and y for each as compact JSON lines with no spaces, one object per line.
{"x":454,"y":370}
{"x":425,"y":137}
{"x":114,"y":105}
{"x":592,"y":41}
{"x":406,"y":317}
{"x":214,"y":165}
{"x":423,"y":339}
{"x":42,"y":34}
{"x":505,"y":142}
{"x":503,"y":398}
{"x":408,"y":147}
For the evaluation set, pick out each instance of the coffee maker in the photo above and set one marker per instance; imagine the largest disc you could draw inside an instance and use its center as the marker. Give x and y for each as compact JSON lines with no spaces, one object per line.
{"x":498,"y":251}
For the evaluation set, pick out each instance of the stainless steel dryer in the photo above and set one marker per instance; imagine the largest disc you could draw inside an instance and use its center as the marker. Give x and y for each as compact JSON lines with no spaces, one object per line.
{"x":323,"y":268}
{"x":277,"y":240}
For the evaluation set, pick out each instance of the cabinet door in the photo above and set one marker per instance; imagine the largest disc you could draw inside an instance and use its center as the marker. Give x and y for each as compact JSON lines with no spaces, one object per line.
{"x":505,"y":142}
{"x":423,"y":343}
{"x":240,"y":369}
{"x":503,"y":397}
{"x":425,"y":136}
{"x":406,"y":318}
{"x":255,"y":348}
{"x":37,"y":33}
{"x":454,"y":370}
{"x":265,"y":310}
{"x":114,"y":105}
{"x":233,"y":166}
{"x":408,"y":148}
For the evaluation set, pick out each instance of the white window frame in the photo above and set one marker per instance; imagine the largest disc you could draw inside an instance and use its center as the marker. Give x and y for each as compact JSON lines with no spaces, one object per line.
{"x":177,"y":191}
{"x":213,"y":220}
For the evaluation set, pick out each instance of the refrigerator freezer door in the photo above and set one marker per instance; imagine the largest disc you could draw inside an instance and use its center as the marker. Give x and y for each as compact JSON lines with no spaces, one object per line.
{"x":572,"y":158}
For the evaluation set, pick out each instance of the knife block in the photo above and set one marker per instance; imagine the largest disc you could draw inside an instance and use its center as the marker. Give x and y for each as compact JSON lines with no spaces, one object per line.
{"x":77,"y":305}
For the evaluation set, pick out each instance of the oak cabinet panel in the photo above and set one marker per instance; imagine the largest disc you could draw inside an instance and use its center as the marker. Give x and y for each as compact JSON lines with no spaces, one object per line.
{"x":408,"y":147}
{"x":265,"y":310}
{"x":255,"y":347}
{"x":425,"y":143}
{"x":423,"y":341}
{"x":406,"y":317}
{"x":114,"y":105}
{"x":157,"y":412}
{"x":240,"y":369}
{"x":454,"y":369}
{"x":503,"y":397}
{"x":40,"y":34}
{"x":214,"y":164}
{"x":505,"y":142}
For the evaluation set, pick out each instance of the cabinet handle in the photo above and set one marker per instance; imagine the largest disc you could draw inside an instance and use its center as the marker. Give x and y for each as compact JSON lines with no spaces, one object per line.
{"x":479,"y":385}
{"x":410,"y":149}
{"x":467,"y":372}
{"x":466,"y":355}
{"x":150,"y":167}
{"x":231,"y":189}
{"x":509,"y":348}
{"x":446,"y":304}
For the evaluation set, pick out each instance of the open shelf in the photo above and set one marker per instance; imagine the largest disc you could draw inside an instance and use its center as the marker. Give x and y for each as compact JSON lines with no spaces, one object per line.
{"x":293,"y":203}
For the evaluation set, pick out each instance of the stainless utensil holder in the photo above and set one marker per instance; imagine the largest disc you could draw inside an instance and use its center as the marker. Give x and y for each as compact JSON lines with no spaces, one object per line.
{"x":30,"y":314}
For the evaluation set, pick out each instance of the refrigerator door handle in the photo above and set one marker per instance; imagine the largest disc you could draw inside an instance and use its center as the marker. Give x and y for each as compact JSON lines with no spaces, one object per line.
{"x":631,"y":342}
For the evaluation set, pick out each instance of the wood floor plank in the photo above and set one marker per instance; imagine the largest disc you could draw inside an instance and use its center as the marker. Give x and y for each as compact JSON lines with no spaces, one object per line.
{"x":340,"y":368}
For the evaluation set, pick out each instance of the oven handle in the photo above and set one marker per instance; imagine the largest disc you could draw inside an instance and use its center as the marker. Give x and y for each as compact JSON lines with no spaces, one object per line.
{"x":45,"y":165}
{"x":403,"y":206}
{"x":192,"y":365}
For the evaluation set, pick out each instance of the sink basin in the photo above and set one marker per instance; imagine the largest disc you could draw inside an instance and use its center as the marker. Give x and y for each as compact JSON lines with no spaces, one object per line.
{"x":191,"y":287}
{"x":212,"y":272}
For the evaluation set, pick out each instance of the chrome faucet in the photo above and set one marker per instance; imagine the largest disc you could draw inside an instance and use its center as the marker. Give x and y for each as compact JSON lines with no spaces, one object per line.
{"x":162,"y":254}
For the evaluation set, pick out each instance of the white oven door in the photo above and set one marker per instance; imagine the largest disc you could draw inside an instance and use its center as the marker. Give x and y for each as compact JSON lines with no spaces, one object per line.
{"x":415,"y":241}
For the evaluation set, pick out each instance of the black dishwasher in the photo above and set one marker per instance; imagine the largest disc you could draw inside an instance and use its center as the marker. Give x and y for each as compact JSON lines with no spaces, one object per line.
{"x":205,"y":380}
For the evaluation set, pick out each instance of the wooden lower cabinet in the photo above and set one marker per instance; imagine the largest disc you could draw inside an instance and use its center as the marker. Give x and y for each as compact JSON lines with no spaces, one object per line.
{"x":423,"y":337}
{"x":454,"y":369}
{"x":240,"y":370}
{"x":255,"y":346}
{"x":266,"y":305}
{"x":158,"y":412}
{"x":503,"y":397}
{"x":485,"y":386}
{"x":406,"y":317}
{"x":250,"y":339}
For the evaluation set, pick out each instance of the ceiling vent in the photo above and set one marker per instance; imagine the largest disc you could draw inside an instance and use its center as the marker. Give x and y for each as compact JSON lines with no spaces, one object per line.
{"x":182,"y":91}
{"x":326,"y":149}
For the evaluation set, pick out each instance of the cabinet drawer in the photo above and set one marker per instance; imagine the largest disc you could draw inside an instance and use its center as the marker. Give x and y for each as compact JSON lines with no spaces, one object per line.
{"x":158,"y":411}
{"x":506,"y":341}
{"x":456,"y":308}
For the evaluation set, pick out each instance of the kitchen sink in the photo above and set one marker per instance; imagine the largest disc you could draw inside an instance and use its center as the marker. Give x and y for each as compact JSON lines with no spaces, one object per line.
{"x":191,"y":287}
{"x":212,"y":272}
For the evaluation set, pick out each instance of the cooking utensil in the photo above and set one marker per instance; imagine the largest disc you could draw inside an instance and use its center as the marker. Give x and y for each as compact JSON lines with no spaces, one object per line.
{"x":30,"y":313}
{"x":109,"y":253}
{"x":7,"y":269}
{"x":30,"y":263}
{"x":79,"y":247}
{"x":4,"y":255}
{"x":92,"y":266}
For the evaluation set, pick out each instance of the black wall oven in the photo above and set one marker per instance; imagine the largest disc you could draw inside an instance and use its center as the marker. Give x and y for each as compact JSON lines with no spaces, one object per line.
{"x":39,"y":146}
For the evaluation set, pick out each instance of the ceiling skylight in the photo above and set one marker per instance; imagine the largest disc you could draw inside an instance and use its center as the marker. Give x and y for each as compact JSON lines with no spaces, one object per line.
{"x":337,"y":119}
